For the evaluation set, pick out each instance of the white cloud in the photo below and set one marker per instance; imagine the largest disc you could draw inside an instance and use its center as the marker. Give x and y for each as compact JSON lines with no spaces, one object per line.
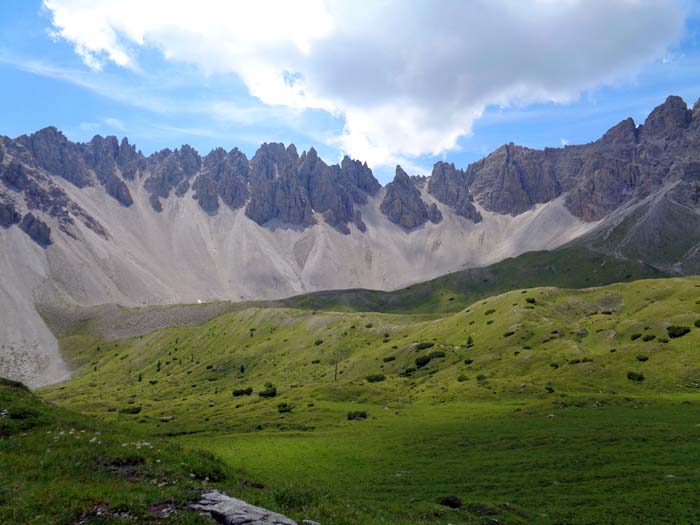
{"x":408,"y":77}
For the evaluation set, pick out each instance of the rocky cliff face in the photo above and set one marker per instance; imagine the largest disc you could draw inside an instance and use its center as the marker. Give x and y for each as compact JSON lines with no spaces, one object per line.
{"x":626,"y":164}
{"x":280,"y":187}
{"x":403,"y":204}
{"x":451,"y":187}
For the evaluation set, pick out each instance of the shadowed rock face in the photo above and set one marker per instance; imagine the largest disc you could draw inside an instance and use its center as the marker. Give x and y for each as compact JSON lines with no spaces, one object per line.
{"x":403,"y":204}
{"x":451,"y":186}
{"x":289,"y":188}
{"x":37,"y":229}
{"x":224,"y":176}
{"x":8,"y":214}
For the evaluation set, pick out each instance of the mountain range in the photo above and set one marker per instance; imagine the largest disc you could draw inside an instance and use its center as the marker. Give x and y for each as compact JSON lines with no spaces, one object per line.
{"x":94,"y":223}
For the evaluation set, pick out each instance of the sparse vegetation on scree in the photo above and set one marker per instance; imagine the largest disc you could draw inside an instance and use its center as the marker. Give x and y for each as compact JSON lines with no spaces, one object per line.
{"x":535,"y":406}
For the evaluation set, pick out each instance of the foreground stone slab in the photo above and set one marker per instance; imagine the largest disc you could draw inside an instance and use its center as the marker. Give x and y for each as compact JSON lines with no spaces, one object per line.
{"x":232,"y":511}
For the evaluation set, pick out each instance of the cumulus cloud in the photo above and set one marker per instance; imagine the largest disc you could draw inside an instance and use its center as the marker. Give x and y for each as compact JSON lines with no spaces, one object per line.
{"x":409,"y":78}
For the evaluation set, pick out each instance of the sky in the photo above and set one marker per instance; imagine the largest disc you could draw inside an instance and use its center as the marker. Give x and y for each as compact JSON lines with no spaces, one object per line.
{"x":389,"y":82}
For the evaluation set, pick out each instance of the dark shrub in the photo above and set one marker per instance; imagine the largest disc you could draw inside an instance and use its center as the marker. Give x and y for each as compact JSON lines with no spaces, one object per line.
{"x":452,"y":502}
{"x":462,"y":378}
{"x":369,"y":325}
{"x":648,"y":337}
{"x":23,"y":413}
{"x":14,"y":384}
{"x":315,"y":361}
{"x":130,"y":410}
{"x":634,"y":337}
{"x":574,"y":361}
{"x":375,"y":378}
{"x":468,"y":361}
{"x":531,"y":300}
{"x":318,"y":342}
{"x":470,"y":341}
{"x":284,"y":408}
{"x":422,"y":361}
{"x":242,"y":392}
{"x":423,"y":346}
{"x":270,"y":391}
{"x":677,"y":331}
{"x":508,"y":334}
{"x":436,"y":354}
{"x":554,"y":365}
{"x":357,"y":414}
{"x":489,"y":311}
{"x":490,"y":321}
{"x":663,"y":340}
{"x":642,"y":358}
{"x":635,"y":376}
{"x":481,"y":377}
{"x":388,"y":359}
{"x":697,"y":323}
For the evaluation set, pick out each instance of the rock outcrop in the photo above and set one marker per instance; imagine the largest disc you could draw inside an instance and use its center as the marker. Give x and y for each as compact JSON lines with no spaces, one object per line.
{"x":451,"y":187}
{"x":37,"y":229}
{"x":403,"y":204}
{"x":8,"y":214}
{"x":232,"y":511}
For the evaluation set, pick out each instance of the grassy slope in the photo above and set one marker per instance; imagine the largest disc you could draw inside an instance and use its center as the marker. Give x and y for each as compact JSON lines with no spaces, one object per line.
{"x":479,"y":430}
{"x":568,"y":267}
{"x":61,"y":467}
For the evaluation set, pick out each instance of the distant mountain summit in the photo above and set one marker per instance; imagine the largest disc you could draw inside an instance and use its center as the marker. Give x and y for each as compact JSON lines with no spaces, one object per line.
{"x":99,"y":222}
{"x":628,"y":163}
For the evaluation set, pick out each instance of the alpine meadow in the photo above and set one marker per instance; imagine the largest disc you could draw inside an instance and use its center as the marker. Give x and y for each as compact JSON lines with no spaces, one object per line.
{"x":321,"y":284}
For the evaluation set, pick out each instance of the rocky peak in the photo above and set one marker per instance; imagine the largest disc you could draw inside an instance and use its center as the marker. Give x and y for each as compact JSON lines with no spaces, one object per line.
{"x":223,"y":175}
{"x":127,"y":153}
{"x":403,"y":205}
{"x":171,"y":170}
{"x":358,"y":179}
{"x":401,"y":177}
{"x":51,"y":151}
{"x":276,"y":192}
{"x":513,"y":179}
{"x":623,"y":133}
{"x":292,"y":152}
{"x":451,"y":187}
{"x":667,"y":120}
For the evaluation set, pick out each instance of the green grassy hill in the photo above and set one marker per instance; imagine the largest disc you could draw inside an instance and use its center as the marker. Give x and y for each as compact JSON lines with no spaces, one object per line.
{"x":574,"y":266}
{"x":535,"y":406}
